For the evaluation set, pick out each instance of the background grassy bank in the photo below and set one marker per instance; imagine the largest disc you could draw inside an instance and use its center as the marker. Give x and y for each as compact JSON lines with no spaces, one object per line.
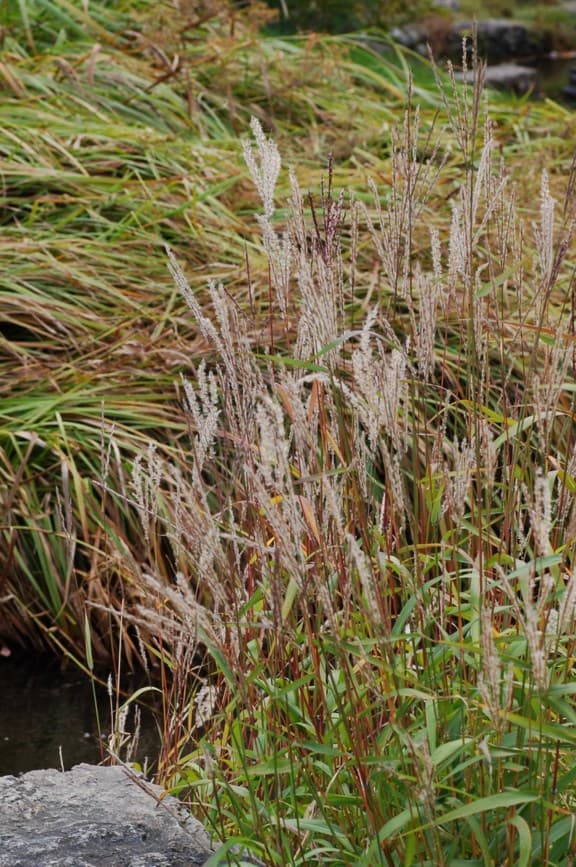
{"x":120,"y":134}
{"x":328,"y":495}
{"x":107,"y":154}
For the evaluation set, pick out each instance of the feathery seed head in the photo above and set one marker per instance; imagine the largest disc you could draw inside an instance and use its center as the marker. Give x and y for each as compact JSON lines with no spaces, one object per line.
{"x":264,"y":165}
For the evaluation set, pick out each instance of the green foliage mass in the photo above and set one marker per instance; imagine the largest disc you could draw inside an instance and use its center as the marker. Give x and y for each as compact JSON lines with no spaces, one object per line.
{"x":340,"y":16}
{"x":315,"y":465}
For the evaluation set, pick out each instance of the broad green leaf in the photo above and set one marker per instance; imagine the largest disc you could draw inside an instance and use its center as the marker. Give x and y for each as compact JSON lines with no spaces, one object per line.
{"x":524,"y":841}
{"x":498,"y":801}
{"x":447,"y":752}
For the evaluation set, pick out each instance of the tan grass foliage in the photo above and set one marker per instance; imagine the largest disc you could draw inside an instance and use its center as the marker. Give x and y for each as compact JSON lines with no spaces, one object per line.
{"x":322,"y":479}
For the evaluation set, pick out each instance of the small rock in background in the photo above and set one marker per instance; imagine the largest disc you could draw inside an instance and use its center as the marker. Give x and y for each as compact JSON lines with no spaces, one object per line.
{"x":451,"y":5}
{"x":569,"y":91}
{"x":510,"y":76}
{"x":500,"y":39}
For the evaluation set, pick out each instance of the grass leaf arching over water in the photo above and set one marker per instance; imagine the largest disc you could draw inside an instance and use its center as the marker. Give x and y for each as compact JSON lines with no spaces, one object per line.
{"x":356,"y":564}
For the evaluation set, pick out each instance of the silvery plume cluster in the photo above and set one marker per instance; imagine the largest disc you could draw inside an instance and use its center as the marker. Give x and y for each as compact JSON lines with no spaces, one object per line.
{"x":317,"y":466}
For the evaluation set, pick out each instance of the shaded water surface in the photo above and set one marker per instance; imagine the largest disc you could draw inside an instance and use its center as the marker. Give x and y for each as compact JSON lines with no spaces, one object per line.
{"x":554,"y":76}
{"x":48,"y":717}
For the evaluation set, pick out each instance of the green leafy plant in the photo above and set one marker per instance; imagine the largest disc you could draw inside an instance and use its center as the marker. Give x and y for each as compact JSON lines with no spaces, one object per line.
{"x":373,"y":611}
{"x":322,"y":479}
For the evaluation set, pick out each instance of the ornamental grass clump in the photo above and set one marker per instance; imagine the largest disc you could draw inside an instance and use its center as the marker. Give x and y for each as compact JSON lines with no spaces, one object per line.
{"x":368,"y":633}
{"x":119,"y":131}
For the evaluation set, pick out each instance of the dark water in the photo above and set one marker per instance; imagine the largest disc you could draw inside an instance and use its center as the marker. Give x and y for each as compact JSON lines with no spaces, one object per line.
{"x":48,"y":718}
{"x":554,"y":75}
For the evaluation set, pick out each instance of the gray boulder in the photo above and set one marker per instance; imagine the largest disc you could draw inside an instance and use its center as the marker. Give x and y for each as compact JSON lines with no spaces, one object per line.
{"x":509,"y":76}
{"x":413,"y":36}
{"x":96,"y":816}
{"x":500,"y":39}
{"x":451,"y":5}
{"x":569,"y":91}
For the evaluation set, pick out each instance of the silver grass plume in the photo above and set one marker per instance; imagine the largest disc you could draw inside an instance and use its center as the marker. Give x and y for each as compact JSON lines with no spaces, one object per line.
{"x":202,"y":404}
{"x":490,"y":678}
{"x":458,"y":478}
{"x":146,"y":476}
{"x":544,"y":233}
{"x":264,"y":165}
{"x":319,"y":276}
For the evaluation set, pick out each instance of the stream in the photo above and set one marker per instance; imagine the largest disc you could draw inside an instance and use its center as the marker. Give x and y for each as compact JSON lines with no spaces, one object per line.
{"x":554,"y":75}
{"x":48,"y":717}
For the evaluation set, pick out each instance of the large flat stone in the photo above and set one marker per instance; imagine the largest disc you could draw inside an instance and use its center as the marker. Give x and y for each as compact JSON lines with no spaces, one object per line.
{"x":95,"y":816}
